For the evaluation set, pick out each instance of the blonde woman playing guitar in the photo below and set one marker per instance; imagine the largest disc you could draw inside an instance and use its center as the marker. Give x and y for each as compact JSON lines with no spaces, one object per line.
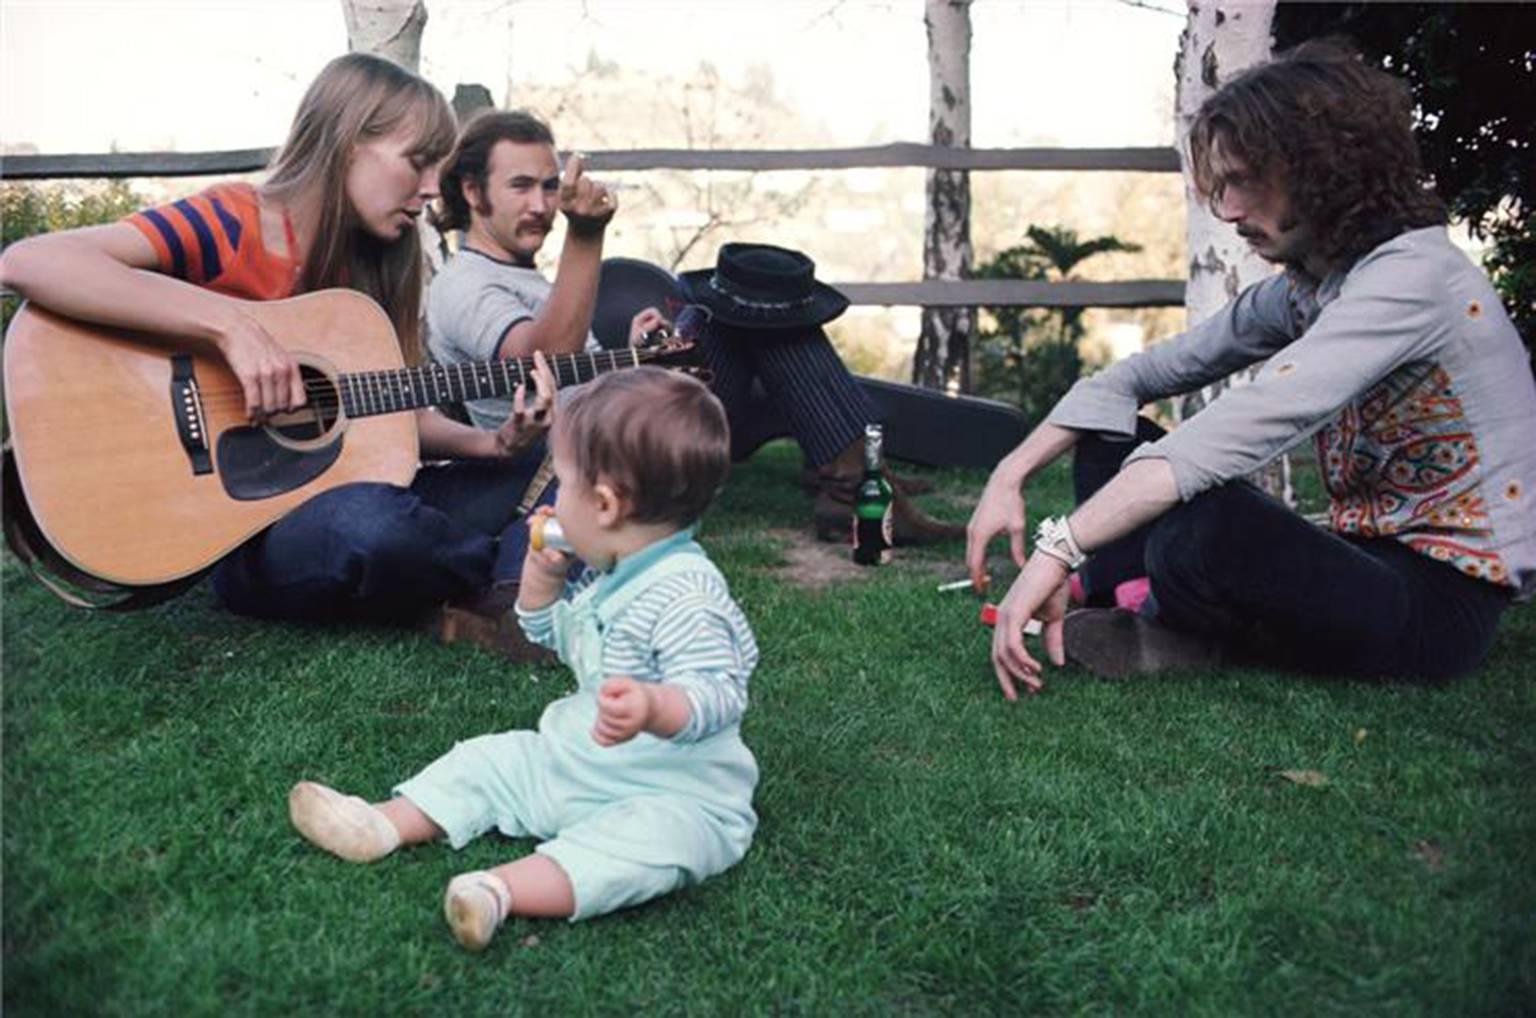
{"x":338,"y":210}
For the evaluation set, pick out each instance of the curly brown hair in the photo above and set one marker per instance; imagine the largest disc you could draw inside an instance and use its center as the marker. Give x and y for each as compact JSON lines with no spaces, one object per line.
{"x":1336,"y":133}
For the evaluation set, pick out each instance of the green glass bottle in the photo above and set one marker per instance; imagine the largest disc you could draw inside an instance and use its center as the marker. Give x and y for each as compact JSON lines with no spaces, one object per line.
{"x":872,"y":504}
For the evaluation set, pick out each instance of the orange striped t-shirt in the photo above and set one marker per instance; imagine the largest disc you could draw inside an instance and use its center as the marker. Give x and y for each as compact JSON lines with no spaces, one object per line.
{"x":213,"y":239}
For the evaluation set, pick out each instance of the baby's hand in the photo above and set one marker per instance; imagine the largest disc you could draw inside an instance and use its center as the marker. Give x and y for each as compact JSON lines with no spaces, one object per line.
{"x":623,"y":710}
{"x":544,"y":571}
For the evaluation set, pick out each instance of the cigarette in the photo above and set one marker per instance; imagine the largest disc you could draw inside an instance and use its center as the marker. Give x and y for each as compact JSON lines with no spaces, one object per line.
{"x":954,"y":585}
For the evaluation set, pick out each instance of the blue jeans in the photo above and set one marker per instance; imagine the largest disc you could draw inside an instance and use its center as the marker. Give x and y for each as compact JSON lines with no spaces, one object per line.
{"x":1239,"y":567}
{"x":382,"y":553}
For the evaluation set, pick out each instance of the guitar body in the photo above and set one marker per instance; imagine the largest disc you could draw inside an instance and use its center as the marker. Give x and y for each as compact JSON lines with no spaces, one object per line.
{"x":107,"y":466}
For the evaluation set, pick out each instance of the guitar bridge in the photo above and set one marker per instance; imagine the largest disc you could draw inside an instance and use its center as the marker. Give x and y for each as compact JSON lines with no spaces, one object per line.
{"x":187,"y":409}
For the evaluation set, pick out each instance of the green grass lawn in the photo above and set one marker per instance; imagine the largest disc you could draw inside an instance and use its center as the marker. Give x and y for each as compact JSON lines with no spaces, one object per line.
{"x":925,"y":847}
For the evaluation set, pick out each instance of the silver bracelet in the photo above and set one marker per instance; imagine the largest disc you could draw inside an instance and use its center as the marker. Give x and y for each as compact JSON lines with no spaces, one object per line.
{"x":1053,"y":537}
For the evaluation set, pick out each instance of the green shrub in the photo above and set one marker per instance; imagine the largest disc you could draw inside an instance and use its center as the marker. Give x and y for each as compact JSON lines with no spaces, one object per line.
{"x":27,"y":209}
{"x":1030,"y":356}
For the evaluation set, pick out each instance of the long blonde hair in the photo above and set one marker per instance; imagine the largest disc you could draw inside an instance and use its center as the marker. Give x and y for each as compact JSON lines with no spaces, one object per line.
{"x":356,"y":98}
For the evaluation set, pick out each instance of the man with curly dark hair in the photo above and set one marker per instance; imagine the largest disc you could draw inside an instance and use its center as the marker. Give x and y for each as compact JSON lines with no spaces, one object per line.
{"x":1381,"y":340}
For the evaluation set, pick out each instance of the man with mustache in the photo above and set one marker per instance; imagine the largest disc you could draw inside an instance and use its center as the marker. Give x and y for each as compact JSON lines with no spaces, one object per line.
{"x":1382,"y":341}
{"x":502,"y":188}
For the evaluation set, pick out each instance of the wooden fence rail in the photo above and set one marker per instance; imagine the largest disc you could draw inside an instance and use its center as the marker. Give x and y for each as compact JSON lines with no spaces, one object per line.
{"x":927,"y":293}
{"x":247,"y":160}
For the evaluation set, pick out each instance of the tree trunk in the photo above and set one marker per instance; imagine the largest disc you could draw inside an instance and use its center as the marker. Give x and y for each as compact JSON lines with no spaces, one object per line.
{"x":942,"y":359}
{"x":1221,"y":38}
{"x":392,"y":29}
{"x":386,"y":28}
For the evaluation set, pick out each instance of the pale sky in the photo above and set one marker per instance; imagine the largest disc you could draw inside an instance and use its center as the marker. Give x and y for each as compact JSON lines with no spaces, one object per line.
{"x":139,"y":75}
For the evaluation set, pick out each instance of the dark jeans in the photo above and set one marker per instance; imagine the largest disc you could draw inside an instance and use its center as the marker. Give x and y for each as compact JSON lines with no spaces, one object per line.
{"x":1240,"y":567}
{"x":382,"y":553}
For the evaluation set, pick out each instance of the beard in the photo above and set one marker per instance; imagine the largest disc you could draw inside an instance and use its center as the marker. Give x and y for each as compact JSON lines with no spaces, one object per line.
{"x":1288,"y":245}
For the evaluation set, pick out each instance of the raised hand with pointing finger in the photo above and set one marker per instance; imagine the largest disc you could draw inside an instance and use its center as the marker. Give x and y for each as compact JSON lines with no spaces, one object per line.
{"x":587,"y":204}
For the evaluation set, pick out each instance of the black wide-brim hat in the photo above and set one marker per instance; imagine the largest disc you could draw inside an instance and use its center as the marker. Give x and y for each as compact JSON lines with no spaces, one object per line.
{"x":760,"y":286}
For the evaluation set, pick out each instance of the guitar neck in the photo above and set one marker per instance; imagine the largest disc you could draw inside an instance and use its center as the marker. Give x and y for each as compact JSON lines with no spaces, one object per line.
{"x":367,"y":393}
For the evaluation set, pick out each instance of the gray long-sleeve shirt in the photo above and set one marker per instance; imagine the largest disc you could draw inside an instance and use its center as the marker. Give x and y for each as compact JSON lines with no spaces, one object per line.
{"x":1406,"y":369}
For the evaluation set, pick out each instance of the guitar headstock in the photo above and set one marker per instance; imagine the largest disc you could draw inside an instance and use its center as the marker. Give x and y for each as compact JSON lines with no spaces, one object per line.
{"x":670,"y":351}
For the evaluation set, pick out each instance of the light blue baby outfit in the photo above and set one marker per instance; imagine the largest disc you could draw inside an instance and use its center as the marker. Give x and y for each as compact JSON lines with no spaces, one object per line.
{"x":631,"y":822}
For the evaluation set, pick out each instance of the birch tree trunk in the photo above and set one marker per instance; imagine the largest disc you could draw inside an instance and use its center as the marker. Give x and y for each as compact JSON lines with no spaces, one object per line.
{"x":386,"y":28}
{"x":1220,"y":39}
{"x":942,"y":359}
{"x":392,"y":29}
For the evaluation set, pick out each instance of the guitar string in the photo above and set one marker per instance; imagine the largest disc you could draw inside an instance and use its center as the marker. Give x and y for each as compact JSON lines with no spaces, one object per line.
{"x":374,"y":390}
{"x":389,"y":388}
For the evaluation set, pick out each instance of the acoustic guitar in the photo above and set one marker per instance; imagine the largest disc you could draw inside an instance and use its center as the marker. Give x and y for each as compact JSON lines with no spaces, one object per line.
{"x":141,"y":467}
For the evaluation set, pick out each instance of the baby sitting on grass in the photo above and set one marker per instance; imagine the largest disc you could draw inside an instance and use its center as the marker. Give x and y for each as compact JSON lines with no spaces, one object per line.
{"x":638,"y":783}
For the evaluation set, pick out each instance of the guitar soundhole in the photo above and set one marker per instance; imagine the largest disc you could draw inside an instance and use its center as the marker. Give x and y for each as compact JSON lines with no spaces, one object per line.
{"x":318,"y":417}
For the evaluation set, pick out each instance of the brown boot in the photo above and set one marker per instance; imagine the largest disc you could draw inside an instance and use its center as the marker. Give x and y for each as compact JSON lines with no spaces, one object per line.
{"x":838,"y":483}
{"x":487,"y":620}
{"x":1118,"y":644}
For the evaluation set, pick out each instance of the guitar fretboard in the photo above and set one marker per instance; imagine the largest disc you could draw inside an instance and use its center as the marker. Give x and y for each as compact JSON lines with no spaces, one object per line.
{"x":366,"y":393}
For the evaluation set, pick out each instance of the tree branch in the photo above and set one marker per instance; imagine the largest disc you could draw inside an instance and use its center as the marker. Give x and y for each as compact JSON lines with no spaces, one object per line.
{"x":1152,"y":7}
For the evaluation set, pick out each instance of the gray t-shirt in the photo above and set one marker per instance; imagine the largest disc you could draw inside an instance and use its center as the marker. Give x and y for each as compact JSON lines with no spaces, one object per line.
{"x":471,"y":304}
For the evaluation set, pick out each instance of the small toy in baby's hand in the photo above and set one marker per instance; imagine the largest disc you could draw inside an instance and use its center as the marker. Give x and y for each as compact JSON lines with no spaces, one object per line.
{"x":544,"y":532}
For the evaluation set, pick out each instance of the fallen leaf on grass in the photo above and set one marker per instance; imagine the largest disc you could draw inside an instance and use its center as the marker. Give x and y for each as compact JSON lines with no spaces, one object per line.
{"x":1360,"y":734}
{"x":1313,"y":779}
{"x":1430,"y":852}
{"x":1081,"y":902}
{"x":531,"y":940}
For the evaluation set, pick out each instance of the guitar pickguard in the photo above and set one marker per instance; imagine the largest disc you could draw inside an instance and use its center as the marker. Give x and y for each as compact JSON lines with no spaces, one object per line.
{"x":253,"y":466}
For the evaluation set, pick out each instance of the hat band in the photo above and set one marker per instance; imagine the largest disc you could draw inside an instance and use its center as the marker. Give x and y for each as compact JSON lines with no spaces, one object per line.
{"x":759,"y":305}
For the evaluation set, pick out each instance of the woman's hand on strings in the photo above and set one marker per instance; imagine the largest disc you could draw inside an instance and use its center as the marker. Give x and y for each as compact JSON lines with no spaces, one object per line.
{"x":529,"y":420}
{"x":268,"y":374}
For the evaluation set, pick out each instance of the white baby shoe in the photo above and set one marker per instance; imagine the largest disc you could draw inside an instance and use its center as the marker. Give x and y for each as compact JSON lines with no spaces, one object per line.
{"x":475,"y":905}
{"x":344,"y":825}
